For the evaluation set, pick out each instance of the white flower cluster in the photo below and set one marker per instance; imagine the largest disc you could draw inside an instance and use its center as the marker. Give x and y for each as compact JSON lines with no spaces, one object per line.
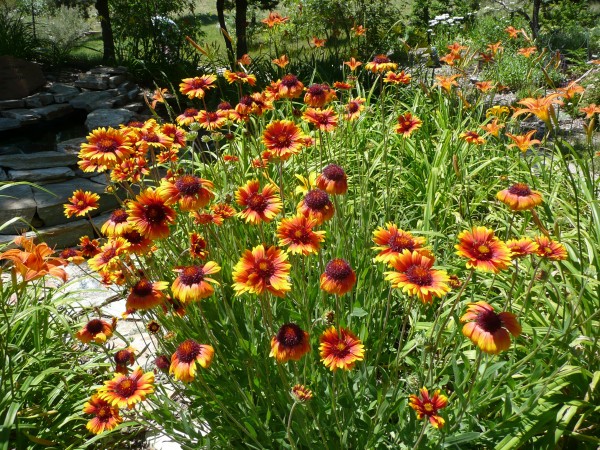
{"x":445,"y":19}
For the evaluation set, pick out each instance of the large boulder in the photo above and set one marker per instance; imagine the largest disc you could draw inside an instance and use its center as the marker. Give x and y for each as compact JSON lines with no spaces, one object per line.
{"x":19,"y":78}
{"x":108,"y":118}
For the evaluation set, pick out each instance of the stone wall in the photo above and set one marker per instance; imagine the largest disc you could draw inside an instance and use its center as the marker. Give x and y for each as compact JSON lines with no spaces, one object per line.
{"x":104,"y":96}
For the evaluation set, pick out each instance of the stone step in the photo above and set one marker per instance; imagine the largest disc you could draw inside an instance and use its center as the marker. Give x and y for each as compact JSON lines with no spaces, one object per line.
{"x":40,"y":160}
{"x":41,"y":175}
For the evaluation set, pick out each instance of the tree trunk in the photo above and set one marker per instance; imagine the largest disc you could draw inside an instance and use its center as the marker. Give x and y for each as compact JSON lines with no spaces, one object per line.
{"x":221,"y":18}
{"x":241,"y":24}
{"x":108,"y":41}
{"x":535,"y":18}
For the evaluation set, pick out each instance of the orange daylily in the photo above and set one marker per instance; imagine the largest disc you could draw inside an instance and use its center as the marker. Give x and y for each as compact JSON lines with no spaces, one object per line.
{"x":34,"y":261}
{"x":542,"y":107}
{"x":523,"y":142}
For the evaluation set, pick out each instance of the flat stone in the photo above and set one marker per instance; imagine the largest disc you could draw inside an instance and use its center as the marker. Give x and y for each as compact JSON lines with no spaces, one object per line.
{"x":16,"y":201}
{"x":3,"y":176}
{"x":119,"y":70}
{"x":8,"y":124}
{"x":71,"y":146}
{"x":63,"y":92}
{"x":55,"y":111}
{"x":95,"y":81}
{"x":120,"y":101}
{"x":38,"y":100}
{"x":12,"y":104}
{"x":10,"y":150}
{"x":40,"y":160}
{"x":90,"y":100}
{"x":67,"y":234}
{"x":24,"y":116}
{"x":132,"y":94}
{"x":41,"y":175}
{"x":107,"y":118}
{"x":19,"y":78}
{"x":50,"y":205}
{"x":116,"y":80}
{"x":135,"y":107}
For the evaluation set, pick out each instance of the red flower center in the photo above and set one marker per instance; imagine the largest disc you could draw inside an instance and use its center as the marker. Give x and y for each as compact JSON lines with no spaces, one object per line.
{"x":289,"y":81}
{"x":107,"y":145}
{"x":123,"y":356}
{"x":133,"y":237}
{"x":211,"y":117}
{"x":246,"y":100}
{"x":119,"y":216}
{"x":520,"y":190}
{"x":301,"y":235}
{"x":188,"y":351}
{"x":190,"y":112}
{"x":224,"y":106}
{"x":68,"y":253}
{"x":419,"y":275}
{"x":428,"y":408}
{"x":316,"y":199}
{"x":126,"y":387}
{"x":94,"y":326}
{"x":197,"y":83}
{"x":290,"y":335}
{"x":338,"y":269}
{"x":257,"y":202}
{"x":316,"y":90}
{"x":188,"y":185}
{"x":150,"y":137}
{"x":381,"y":59}
{"x":489,"y":321}
{"x":400,"y":241}
{"x":283,"y":140}
{"x":482,"y":251}
{"x":155,"y":213}
{"x":109,"y":254}
{"x":104,"y":413}
{"x":162,"y":362}
{"x":340,"y":350}
{"x":191,"y":275}
{"x":352,"y":107}
{"x":142,"y":288}
{"x":265,"y":268}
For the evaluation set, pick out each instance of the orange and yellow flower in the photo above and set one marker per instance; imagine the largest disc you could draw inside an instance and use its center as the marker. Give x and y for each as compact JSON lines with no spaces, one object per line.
{"x":96,"y":330}
{"x":317,"y":43}
{"x":240,"y":77}
{"x":89,"y":247}
{"x":523,"y":142}
{"x":127,"y":390}
{"x":290,"y":87}
{"x":116,"y":223}
{"x":109,"y":256}
{"x":426,"y":406}
{"x":391,"y":242}
{"x":318,"y":95}
{"x":81,"y":203}
{"x":151,"y":215}
{"x":489,"y":330}
{"x":297,"y":233}
{"x":522,"y":247}
{"x":212,"y":120}
{"x":123,"y":359}
{"x":381,"y":63}
{"x":260,"y":206}
{"x":338,"y":278}
{"x":190,"y":352}
{"x":192,"y":284}
{"x":484,"y":251}
{"x":262,"y":270}
{"x":323,"y":119}
{"x":415,"y":276}
{"x":106,"y":148}
{"x":187,"y":117}
{"x":446,"y":82}
{"x":397,"y":78}
{"x":290,"y":343}
{"x":316,"y":205}
{"x":283,"y":138}
{"x":519,"y":197}
{"x":333,"y":180}
{"x":106,"y":416}
{"x":189,"y":191}
{"x":198,"y":246}
{"x":472,"y":137}
{"x":493,"y":127}
{"x":542,"y":108}
{"x":196,"y":87}
{"x":513,"y":33}
{"x":527,"y":51}
{"x":354,"y":108}
{"x":408,"y":124}
{"x":301,"y":393}
{"x":146,"y":294}
{"x":340,"y":350}
{"x":549,"y":249}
